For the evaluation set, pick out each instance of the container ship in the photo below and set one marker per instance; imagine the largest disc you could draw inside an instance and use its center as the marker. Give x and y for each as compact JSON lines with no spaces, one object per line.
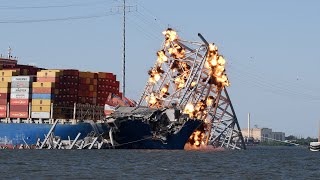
{"x":32,"y":98}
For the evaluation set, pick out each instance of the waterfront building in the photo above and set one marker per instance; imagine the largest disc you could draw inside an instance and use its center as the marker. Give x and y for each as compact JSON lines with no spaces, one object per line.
{"x":263,"y":134}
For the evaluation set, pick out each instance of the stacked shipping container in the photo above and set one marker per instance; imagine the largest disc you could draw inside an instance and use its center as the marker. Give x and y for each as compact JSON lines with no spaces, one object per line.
{"x":56,"y":90}
{"x":20,"y":96}
{"x":107,"y":85}
{"x":4,"y":91}
{"x":5,"y":85}
{"x":43,"y":93}
{"x":87,"y":88}
{"x":67,"y":93}
{"x":67,"y":87}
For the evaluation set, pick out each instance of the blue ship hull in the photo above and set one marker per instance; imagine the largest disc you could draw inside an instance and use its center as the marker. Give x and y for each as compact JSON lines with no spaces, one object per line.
{"x":15,"y":134}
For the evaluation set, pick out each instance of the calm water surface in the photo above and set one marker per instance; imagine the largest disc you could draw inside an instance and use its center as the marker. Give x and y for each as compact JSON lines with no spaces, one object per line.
{"x":254,"y":163}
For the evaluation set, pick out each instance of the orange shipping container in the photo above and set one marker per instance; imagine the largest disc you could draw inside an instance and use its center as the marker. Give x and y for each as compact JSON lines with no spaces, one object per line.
{"x":44,"y":90}
{"x":47,"y":79}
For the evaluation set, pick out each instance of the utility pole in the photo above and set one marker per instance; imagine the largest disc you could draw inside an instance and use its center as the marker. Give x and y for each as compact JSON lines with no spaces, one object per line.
{"x":124,"y":51}
{"x":319,"y":133}
{"x":249,"y":125}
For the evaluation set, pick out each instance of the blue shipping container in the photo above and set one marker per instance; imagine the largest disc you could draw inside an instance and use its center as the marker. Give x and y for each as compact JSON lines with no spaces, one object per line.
{"x":42,"y":96}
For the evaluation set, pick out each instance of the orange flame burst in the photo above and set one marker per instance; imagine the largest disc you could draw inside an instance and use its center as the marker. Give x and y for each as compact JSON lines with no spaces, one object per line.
{"x":177,"y":51}
{"x":216,"y":64}
{"x":197,"y":139}
{"x":155,"y":74}
{"x":189,"y":109}
{"x":164,"y":90}
{"x":170,"y":35}
{"x":162,"y":57}
{"x":153,"y":100}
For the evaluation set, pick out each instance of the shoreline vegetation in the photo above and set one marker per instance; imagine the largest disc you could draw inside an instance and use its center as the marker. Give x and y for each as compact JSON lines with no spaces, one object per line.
{"x":289,"y":140}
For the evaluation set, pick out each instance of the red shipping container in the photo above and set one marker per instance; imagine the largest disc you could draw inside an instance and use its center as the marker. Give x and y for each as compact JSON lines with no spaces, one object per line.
{"x":103,"y":94}
{"x":63,"y":85}
{"x":106,"y":81}
{"x":19,"y":114}
{"x":9,"y":66}
{"x":3,"y":114}
{"x":3,"y":101}
{"x":19,"y":101}
{"x":31,"y":70}
{"x":19,"y":108}
{"x":81,"y":93}
{"x":117,"y":84}
{"x":66,"y":91}
{"x":68,"y":78}
{"x":72,"y":72}
{"x":93,"y":81}
{"x":3,"y":107}
{"x":83,"y":87}
{"x":91,"y":94}
{"x":84,"y":80}
{"x":3,"y":96}
{"x":101,"y":87}
{"x":110,"y":76}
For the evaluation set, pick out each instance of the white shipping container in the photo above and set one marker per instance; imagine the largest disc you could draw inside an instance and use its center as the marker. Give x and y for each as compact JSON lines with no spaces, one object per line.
{"x":41,"y":115}
{"x":20,"y":90}
{"x":21,"y":78}
{"x":19,"y":95}
{"x":20,"y":84}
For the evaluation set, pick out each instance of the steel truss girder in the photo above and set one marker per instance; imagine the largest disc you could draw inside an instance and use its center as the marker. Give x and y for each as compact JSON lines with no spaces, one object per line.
{"x":225,"y":131}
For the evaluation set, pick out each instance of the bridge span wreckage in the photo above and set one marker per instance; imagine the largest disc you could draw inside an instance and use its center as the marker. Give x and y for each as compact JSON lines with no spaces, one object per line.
{"x":185,"y":103}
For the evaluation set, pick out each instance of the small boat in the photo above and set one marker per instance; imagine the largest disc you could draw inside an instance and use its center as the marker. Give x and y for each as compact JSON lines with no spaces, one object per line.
{"x":314,"y":146}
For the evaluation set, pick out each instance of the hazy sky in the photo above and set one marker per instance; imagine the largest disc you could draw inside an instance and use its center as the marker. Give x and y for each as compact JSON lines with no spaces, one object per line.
{"x":272,"y":47}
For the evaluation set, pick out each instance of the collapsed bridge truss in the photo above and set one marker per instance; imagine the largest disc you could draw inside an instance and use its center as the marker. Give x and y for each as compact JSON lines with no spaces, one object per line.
{"x":192,"y":77}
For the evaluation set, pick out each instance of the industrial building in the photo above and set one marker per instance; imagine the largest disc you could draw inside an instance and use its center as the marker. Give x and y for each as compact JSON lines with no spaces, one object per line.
{"x":263,"y":134}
